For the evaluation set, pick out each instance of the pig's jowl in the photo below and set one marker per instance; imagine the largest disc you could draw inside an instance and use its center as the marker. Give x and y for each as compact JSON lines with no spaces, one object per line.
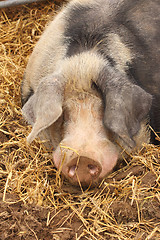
{"x":92,"y":84}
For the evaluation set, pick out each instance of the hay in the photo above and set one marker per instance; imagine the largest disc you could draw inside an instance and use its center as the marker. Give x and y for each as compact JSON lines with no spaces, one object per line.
{"x":124,"y":206}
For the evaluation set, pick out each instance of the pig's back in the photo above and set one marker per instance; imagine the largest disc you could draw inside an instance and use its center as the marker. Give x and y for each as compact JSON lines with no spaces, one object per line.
{"x":127,"y":33}
{"x":124,"y":32}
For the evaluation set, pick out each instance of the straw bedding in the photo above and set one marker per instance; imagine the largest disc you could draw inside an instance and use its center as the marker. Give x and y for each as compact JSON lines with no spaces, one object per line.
{"x":35,"y":202}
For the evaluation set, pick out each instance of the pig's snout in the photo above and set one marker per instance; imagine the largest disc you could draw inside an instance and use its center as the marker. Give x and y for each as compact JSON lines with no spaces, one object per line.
{"x":83,"y":170}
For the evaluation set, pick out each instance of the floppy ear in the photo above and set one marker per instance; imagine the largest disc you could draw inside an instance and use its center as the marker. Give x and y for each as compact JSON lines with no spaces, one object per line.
{"x":44,"y":107}
{"x":125,"y":108}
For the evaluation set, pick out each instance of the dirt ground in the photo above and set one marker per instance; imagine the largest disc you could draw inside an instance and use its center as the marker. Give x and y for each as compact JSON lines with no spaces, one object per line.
{"x":35,"y":202}
{"x":136,"y":220}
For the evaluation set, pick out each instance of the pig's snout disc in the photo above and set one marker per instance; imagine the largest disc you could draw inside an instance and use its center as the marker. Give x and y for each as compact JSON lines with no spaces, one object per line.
{"x":84,"y":169}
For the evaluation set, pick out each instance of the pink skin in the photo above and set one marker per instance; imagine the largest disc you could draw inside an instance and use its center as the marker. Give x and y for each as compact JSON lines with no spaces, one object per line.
{"x":107,"y":160}
{"x":86,"y":146}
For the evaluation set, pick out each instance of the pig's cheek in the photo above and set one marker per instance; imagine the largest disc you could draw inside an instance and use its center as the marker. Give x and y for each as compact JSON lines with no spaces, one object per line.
{"x":108,"y":163}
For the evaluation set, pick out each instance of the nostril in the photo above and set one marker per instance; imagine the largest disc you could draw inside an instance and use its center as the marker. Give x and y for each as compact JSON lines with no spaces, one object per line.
{"x":71,"y":171}
{"x":93,"y":169}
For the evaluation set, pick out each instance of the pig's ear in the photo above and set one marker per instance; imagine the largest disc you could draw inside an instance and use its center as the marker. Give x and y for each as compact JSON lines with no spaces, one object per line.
{"x":44,"y":107}
{"x":125,"y":108}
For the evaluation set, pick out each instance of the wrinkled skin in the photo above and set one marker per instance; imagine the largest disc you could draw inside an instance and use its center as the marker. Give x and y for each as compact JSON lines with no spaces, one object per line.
{"x":113,"y":45}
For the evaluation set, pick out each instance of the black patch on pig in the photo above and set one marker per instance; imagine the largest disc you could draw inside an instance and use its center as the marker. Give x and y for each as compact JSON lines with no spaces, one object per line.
{"x":77,"y":31}
{"x":82,"y":31}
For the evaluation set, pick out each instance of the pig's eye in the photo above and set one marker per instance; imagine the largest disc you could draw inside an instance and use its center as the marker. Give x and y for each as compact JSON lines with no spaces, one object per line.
{"x":111,"y":136}
{"x":94,"y":86}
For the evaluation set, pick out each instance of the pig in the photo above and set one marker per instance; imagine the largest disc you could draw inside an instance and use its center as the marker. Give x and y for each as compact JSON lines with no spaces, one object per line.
{"x":91,"y":87}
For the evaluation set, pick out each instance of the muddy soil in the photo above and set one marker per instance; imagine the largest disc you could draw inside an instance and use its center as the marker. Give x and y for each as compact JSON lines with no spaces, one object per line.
{"x":20,"y":221}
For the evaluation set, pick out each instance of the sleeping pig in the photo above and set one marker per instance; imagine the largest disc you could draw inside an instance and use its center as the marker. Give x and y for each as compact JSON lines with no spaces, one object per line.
{"x":92,"y":86}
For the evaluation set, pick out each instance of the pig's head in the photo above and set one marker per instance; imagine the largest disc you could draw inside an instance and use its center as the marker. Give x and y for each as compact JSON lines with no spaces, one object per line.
{"x":82,"y":131}
{"x":85,"y":152}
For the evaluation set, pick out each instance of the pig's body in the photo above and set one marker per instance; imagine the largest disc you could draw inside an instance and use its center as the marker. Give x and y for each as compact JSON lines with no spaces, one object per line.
{"x":92,"y":81}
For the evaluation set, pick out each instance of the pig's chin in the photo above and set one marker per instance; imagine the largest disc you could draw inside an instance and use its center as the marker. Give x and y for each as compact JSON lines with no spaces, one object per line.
{"x":92,"y":170}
